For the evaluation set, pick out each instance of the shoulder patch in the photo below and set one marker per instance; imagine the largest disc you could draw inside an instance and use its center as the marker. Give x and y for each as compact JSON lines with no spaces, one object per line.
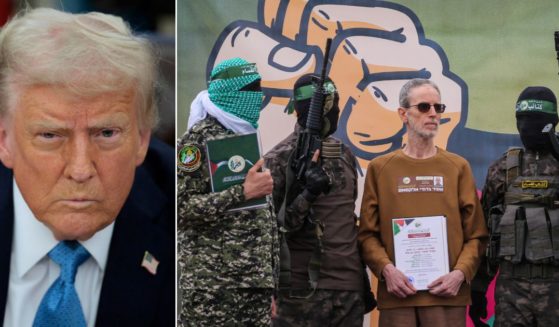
{"x":189,"y":158}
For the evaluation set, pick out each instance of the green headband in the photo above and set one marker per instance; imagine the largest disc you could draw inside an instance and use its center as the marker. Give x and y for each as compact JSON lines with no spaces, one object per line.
{"x":305,"y":92}
{"x":236,"y":71}
{"x":532,"y":105}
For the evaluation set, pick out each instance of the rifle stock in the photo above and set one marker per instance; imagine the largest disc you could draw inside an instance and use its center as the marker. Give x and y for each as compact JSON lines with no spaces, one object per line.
{"x":548,"y":129}
{"x":556,"y":35}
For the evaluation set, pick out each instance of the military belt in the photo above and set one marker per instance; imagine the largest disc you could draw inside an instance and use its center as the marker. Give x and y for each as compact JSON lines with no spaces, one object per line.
{"x":528,"y":270}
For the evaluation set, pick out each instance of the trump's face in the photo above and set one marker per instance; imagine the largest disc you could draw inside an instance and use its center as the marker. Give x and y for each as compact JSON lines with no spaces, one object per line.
{"x":73,"y":159}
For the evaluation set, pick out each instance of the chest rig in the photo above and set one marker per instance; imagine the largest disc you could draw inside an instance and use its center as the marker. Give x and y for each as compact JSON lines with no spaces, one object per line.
{"x":529,"y":225}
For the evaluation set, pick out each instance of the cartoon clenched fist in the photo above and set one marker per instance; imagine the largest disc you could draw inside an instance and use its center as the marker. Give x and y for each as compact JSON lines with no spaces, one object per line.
{"x":376,"y":48}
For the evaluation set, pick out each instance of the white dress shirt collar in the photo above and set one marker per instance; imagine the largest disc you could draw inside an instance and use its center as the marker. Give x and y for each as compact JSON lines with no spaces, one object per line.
{"x":33,"y":240}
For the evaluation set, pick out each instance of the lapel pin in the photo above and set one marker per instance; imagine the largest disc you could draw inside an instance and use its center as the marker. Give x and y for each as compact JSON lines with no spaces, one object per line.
{"x":150,"y":263}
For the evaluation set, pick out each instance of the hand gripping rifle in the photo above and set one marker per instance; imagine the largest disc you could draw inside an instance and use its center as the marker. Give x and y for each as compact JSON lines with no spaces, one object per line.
{"x":548,"y":129}
{"x":309,"y":140}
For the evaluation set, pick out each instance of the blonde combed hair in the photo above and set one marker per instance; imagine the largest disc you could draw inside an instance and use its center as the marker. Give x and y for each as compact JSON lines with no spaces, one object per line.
{"x":91,"y":54}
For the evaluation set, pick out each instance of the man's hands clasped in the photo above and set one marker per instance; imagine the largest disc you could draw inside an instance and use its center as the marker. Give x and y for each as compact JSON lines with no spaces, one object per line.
{"x":398,"y":284}
{"x":447,"y":285}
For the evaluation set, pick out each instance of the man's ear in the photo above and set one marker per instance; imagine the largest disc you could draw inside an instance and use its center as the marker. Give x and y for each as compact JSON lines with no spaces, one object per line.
{"x":5,"y":149}
{"x":403,"y":113}
{"x":145,"y":136}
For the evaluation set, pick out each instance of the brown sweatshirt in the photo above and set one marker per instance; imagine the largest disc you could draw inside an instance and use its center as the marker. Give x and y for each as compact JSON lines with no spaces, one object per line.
{"x":398,"y":186}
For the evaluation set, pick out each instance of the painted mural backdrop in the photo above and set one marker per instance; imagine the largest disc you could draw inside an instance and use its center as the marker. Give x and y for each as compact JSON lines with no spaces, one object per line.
{"x":377,"y":46}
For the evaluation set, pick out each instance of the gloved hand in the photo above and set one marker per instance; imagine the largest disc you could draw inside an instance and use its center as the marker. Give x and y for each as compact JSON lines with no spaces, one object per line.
{"x":316,"y":180}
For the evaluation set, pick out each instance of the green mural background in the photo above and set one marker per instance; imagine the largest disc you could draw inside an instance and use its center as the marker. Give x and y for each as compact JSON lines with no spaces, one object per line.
{"x":497,"y":47}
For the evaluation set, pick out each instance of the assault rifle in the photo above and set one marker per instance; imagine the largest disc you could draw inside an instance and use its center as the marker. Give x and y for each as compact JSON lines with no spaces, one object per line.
{"x":309,"y":140}
{"x":556,"y":34}
{"x":548,"y":129}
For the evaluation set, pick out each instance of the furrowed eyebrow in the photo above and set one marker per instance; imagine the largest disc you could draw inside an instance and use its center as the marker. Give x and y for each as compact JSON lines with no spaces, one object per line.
{"x":112,"y":121}
{"x":46,"y":125}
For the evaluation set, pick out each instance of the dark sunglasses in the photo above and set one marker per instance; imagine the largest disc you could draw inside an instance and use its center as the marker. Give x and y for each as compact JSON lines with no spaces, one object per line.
{"x":425,"y":107}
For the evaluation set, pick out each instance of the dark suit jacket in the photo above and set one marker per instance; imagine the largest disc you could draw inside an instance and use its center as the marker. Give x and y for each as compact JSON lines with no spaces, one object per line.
{"x":130,"y":295}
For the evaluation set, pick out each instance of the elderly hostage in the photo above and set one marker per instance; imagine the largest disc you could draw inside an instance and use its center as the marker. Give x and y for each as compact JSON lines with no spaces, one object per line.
{"x":416,"y":181}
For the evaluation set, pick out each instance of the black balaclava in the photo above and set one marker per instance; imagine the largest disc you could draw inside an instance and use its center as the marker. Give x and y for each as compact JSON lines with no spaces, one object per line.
{"x":536,"y":107}
{"x":302,"y":94}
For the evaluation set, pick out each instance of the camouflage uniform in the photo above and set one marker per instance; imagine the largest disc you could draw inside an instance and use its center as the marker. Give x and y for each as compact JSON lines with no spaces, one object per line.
{"x":338,"y":300}
{"x":525,"y":292}
{"x":324,"y":308}
{"x":228,"y":260}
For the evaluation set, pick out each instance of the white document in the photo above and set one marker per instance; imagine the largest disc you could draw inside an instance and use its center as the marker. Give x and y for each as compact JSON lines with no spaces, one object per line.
{"x":421,"y":248}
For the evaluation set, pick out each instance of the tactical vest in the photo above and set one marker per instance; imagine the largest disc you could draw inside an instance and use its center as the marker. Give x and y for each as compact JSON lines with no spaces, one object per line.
{"x":528,"y":222}
{"x":331,"y":150}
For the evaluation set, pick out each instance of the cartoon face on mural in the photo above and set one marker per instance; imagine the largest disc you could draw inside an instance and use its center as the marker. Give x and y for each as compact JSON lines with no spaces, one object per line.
{"x":376,"y":48}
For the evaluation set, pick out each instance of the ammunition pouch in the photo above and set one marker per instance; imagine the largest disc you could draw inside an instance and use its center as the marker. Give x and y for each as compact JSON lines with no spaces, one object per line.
{"x":495,"y":214}
{"x":538,"y":247}
{"x":513,"y":234}
{"x":554,"y":222}
{"x":331,"y":149}
{"x":529,"y":234}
